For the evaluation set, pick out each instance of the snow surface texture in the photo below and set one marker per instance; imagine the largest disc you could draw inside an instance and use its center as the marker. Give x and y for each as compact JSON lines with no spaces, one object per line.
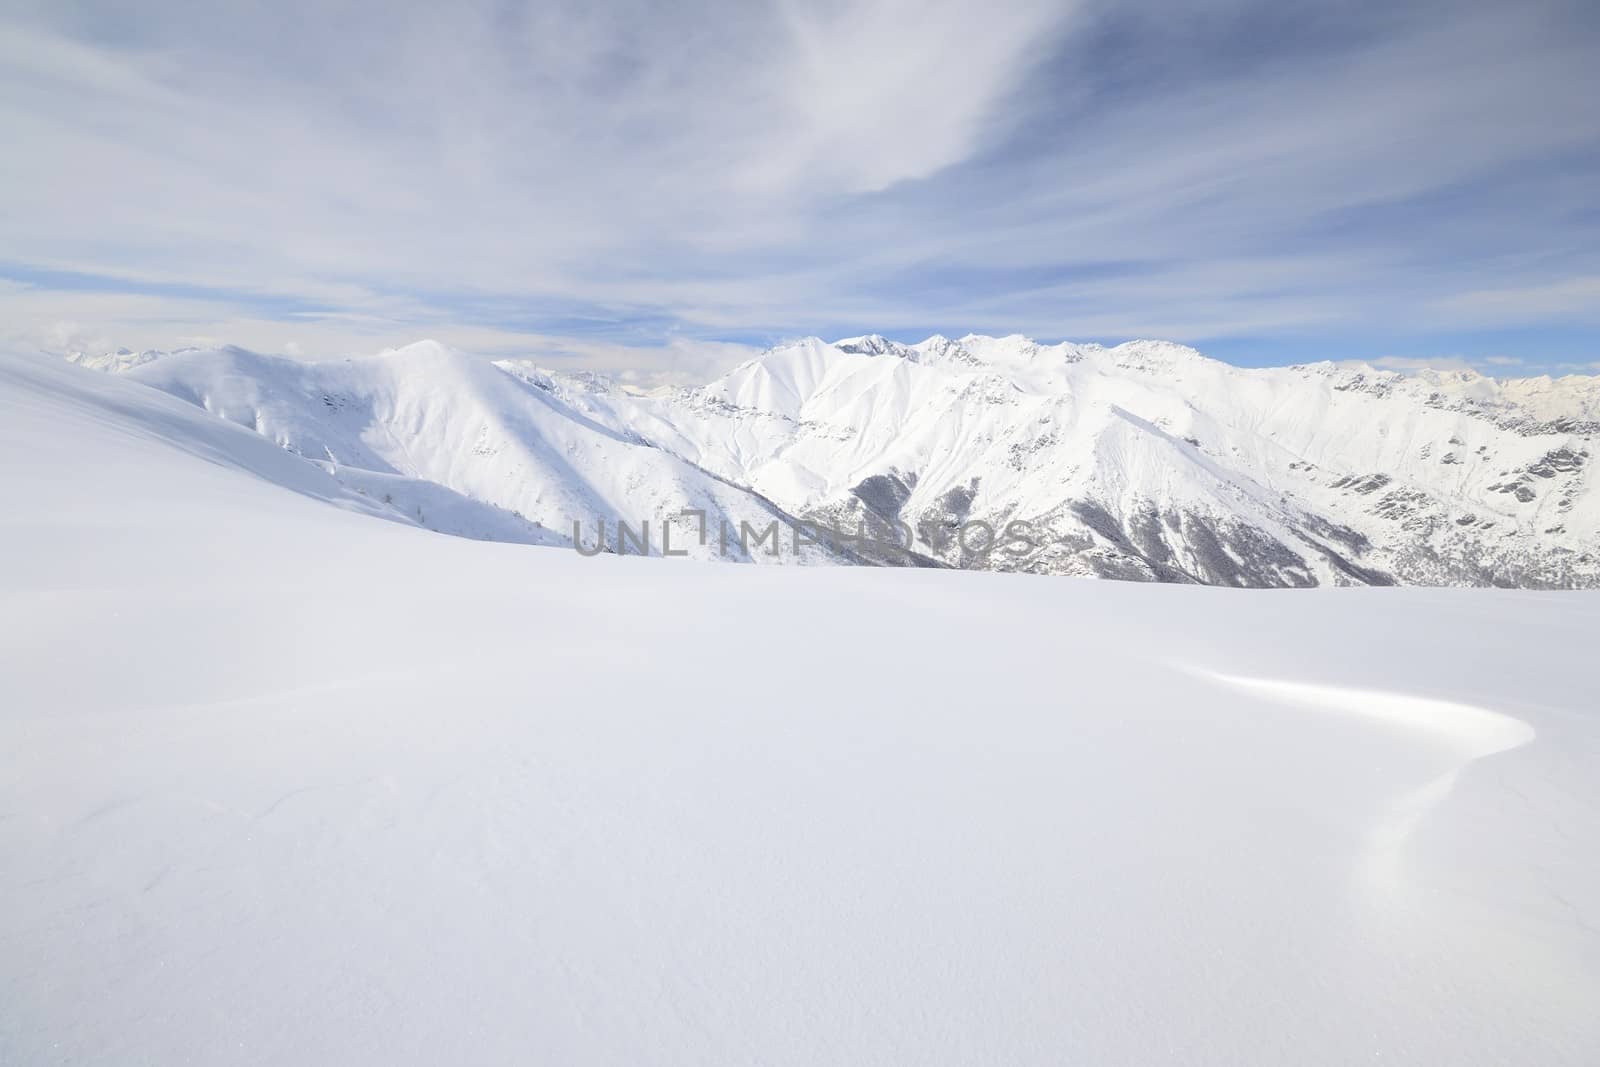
{"x":283,"y":784}
{"x":1146,"y":461}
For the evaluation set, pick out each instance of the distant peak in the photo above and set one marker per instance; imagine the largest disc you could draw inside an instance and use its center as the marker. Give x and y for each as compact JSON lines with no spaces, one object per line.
{"x":1145,"y":352}
{"x":867,"y":345}
{"x":424,"y":349}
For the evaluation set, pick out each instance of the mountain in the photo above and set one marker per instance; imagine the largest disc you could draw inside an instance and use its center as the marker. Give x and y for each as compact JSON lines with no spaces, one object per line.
{"x":1149,"y":461}
{"x":119,"y":360}
{"x":282,"y":784}
{"x":1144,"y":461}
{"x":423,"y":429}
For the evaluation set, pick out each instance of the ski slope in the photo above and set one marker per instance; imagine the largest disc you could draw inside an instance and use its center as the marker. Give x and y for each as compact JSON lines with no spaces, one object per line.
{"x":281,"y":782}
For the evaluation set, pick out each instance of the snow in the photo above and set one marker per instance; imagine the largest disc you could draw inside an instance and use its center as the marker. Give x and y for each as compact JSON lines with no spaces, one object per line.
{"x":116,"y":361}
{"x":1177,"y":454}
{"x":282,"y":783}
{"x":1144,"y":461}
{"x":458,"y":445}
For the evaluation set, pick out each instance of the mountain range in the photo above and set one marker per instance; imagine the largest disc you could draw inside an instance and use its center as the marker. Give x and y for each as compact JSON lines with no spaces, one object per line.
{"x":281,"y":783}
{"x":1144,"y":461}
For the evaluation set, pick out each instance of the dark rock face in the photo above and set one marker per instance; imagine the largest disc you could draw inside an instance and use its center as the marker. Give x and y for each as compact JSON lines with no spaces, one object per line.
{"x":1353,"y":540}
{"x":1187,"y":546}
{"x":884,"y":494}
{"x":1363,"y":484}
{"x":1518,"y":488}
{"x":1558,"y":461}
{"x":1148,"y":541}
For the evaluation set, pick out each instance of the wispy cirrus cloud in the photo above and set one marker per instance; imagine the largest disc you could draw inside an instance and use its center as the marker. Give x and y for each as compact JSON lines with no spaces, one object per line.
{"x":631,"y":177}
{"x":1568,"y":297}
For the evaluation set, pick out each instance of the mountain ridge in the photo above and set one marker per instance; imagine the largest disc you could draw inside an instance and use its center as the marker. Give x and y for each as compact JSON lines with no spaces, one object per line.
{"x":1144,"y":460}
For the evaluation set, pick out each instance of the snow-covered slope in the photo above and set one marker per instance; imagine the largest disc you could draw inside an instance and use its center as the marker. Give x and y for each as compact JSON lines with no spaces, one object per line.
{"x":1150,"y":461}
{"x":87,"y":399}
{"x":283,"y":784}
{"x":423,"y":416}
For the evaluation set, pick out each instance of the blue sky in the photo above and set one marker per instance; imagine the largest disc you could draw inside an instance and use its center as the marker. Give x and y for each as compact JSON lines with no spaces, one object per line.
{"x":661,"y":187}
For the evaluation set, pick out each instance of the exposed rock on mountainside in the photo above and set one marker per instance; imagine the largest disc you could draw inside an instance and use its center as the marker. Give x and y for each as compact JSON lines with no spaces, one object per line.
{"x":1149,"y":461}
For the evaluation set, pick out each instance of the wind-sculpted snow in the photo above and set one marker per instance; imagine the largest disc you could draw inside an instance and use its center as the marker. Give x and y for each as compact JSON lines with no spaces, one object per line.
{"x":1465,"y":731}
{"x":280,"y":783}
{"x":1473,"y":731}
{"x":1144,"y":461}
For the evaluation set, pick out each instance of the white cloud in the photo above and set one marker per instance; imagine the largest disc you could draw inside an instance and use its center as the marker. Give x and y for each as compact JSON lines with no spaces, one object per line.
{"x":1567,"y":298}
{"x":1407,"y":364}
{"x":864,"y":95}
{"x":300,"y":172}
{"x":1494,"y":365}
{"x":65,"y":336}
{"x":112,"y":321}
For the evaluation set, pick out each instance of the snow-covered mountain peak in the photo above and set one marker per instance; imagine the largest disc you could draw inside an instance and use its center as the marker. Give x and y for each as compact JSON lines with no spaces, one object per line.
{"x":1145,"y":460}
{"x":125,"y":359}
{"x":423,"y":351}
{"x":871,"y":344}
{"x":116,"y":362}
{"x":1009,"y":349}
{"x":1149,"y":459}
{"x":941,"y":350}
{"x":567,"y":383}
{"x":1157,"y":356}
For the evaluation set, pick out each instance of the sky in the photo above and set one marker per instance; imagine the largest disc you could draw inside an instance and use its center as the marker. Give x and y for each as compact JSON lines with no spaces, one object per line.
{"x":663,"y":189}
